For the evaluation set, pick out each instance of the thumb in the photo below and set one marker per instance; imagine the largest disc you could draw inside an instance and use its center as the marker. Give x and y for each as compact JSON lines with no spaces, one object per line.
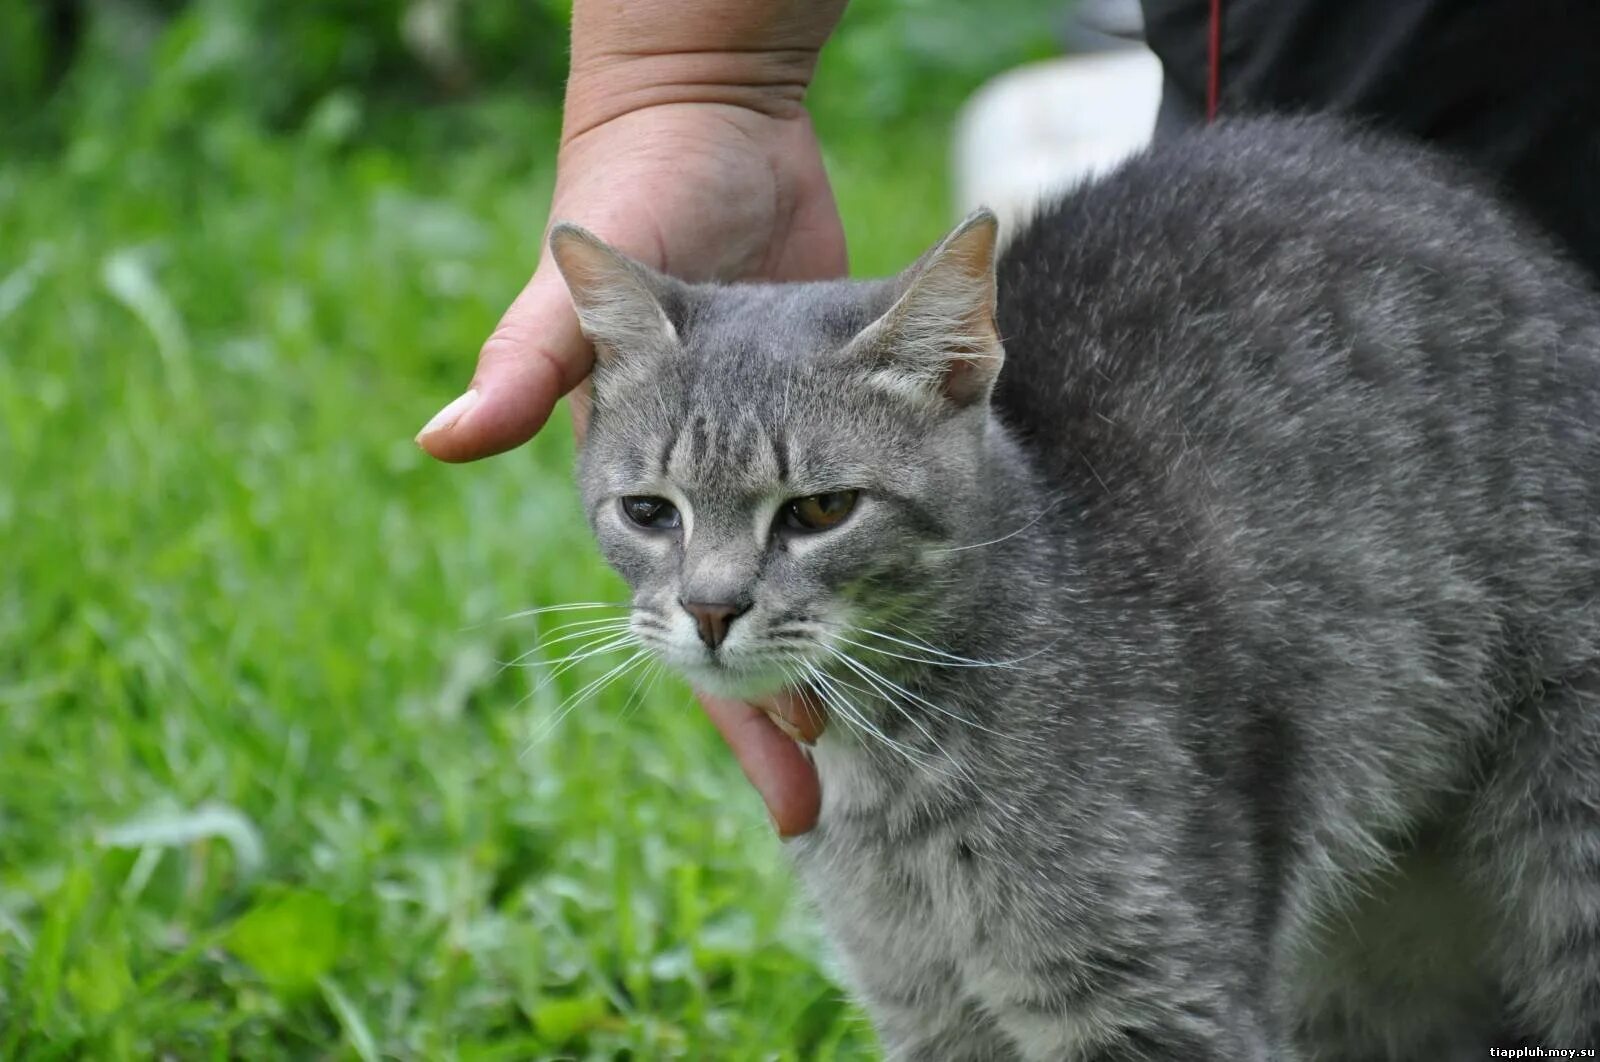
{"x":774,"y":764}
{"x":535,"y":355}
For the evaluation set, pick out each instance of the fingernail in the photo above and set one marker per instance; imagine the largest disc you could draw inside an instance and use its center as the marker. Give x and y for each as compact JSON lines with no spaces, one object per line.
{"x":451,"y":415}
{"x":782,"y":836}
{"x":790,"y":729}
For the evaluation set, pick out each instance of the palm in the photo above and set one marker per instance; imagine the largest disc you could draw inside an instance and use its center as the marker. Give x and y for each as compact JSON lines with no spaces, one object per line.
{"x":706,"y":192}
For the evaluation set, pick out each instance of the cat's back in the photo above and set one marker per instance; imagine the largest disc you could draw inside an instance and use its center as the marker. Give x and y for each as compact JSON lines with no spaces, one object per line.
{"x":1284,"y":351}
{"x":1275,"y":254}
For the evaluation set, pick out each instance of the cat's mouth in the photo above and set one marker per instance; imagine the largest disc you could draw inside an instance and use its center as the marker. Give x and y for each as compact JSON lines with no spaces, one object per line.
{"x":737,"y":664}
{"x":721,"y":672}
{"x":734,"y":679}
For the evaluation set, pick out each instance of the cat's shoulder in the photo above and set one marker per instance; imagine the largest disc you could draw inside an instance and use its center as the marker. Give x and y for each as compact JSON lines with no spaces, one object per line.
{"x":1258,"y":175}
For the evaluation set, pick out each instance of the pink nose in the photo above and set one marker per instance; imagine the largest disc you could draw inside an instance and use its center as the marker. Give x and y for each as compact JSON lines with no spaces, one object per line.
{"x":713,"y":619}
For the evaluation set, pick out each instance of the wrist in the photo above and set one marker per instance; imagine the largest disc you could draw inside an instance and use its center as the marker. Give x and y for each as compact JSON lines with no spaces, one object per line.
{"x":632,"y":55}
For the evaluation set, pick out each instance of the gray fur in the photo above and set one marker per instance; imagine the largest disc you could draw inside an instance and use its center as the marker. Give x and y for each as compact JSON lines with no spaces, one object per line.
{"x":1277,"y":546}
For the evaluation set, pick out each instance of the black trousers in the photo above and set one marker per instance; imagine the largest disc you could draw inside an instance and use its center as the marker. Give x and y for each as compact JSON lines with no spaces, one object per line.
{"x":1512,"y":86}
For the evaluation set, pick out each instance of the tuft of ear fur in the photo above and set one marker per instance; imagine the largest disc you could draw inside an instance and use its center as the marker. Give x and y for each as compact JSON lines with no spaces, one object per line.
{"x":939,"y":339}
{"x":618,"y":299}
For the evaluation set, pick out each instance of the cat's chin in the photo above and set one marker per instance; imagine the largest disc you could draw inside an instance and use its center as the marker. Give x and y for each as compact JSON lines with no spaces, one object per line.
{"x":735,"y":684}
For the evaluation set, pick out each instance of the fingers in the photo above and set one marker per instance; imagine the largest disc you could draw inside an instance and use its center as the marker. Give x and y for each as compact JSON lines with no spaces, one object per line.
{"x":778,"y":768}
{"x":704,"y":192}
{"x":535,"y":355}
{"x":797,"y":712}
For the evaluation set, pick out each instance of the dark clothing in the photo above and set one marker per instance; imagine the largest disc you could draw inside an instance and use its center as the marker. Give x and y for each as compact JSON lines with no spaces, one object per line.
{"x":1513,"y":86}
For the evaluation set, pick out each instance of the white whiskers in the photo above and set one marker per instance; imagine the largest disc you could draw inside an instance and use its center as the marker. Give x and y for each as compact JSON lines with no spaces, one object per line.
{"x":587,"y":639}
{"x":893,"y":689}
{"x":934,"y":657}
{"x":590,"y":688}
{"x":831,"y":689}
{"x":1040,"y":515}
{"x":573,"y":607}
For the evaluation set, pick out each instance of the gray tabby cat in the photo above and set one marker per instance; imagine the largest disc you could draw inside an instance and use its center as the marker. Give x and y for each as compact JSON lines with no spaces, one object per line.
{"x":1220,"y":679}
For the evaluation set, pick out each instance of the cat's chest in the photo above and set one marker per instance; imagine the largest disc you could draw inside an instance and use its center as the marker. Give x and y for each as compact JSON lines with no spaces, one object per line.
{"x":932,"y":900}
{"x":891,"y":869}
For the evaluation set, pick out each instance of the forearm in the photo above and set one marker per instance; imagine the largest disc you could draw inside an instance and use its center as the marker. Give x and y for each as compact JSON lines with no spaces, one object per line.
{"x":632,"y":54}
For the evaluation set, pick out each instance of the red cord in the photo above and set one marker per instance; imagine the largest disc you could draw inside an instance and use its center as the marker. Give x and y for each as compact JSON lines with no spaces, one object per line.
{"x":1214,"y":65}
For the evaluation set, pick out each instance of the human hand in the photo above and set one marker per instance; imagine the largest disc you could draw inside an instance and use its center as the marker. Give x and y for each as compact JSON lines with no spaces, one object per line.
{"x":701,"y":191}
{"x":705,"y":181}
{"x":763,"y":738}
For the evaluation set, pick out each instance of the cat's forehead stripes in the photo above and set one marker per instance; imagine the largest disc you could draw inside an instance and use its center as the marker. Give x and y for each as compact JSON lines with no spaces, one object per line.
{"x":726,"y":454}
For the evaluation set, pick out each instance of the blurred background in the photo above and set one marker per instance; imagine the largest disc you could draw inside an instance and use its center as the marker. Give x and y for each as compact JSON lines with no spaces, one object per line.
{"x":279,"y":778}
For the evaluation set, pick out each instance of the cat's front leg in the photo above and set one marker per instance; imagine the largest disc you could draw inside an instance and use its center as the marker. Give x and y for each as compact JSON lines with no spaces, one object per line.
{"x":921,"y":1015}
{"x":945,"y":1029}
{"x":1075,"y":1010}
{"x":914,"y":994}
{"x":1043,"y":1037}
{"x":1535,"y":834}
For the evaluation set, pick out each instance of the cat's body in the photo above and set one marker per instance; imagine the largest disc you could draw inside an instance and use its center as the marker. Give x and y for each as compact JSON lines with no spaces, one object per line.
{"x":1237,"y":680}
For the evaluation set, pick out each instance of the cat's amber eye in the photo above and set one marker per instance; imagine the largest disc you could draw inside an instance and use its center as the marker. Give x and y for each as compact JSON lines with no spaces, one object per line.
{"x":817,"y":512}
{"x":646,"y":510}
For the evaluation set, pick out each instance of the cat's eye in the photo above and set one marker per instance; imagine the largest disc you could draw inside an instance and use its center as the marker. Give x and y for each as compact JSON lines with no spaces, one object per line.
{"x":817,"y":512}
{"x":646,"y":510}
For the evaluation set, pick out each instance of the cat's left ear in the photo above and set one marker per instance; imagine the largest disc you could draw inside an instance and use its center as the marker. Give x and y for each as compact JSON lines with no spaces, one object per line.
{"x":619,"y":301}
{"x":939,"y":338}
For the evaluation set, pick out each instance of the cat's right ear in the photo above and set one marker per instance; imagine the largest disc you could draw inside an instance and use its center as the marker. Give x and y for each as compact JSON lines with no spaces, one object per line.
{"x":618,"y":300}
{"x":939,"y":340}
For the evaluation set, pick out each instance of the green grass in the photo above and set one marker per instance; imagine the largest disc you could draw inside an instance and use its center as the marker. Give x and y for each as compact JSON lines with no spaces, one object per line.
{"x":266,"y":789}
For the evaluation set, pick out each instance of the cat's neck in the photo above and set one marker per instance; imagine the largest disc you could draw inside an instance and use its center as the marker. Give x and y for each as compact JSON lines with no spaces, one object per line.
{"x":942,"y":672}
{"x":1003,"y":578}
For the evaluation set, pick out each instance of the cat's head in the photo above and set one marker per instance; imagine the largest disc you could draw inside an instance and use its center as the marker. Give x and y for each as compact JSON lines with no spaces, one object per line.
{"x":780,"y":470}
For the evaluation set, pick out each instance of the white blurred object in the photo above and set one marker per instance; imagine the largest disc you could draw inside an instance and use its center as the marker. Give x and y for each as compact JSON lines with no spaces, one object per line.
{"x":1114,"y":18}
{"x":1041,"y":129}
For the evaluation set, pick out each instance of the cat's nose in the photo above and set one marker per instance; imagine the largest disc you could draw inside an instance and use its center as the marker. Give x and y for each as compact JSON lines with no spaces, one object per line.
{"x":713,"y":618}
